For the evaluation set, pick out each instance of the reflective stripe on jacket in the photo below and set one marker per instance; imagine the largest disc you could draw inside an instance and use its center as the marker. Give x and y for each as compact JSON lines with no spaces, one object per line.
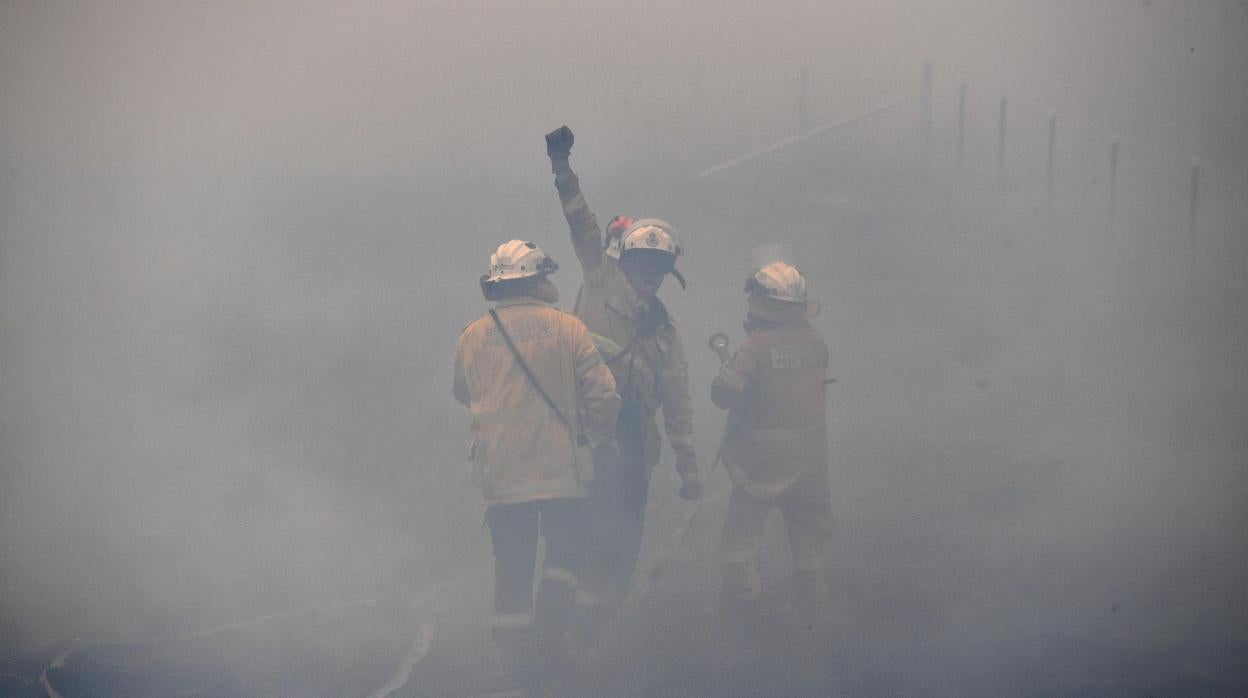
{"x":521,"y":450}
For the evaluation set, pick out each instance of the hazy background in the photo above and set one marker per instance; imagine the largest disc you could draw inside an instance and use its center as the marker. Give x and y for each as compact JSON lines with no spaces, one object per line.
{"x":238,"y":241}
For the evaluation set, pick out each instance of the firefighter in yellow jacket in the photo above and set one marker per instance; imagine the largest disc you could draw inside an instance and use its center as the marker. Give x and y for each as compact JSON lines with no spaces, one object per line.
{"x":640,"y":344}
{"x":543,"y":405}
{"x":776,"y":452}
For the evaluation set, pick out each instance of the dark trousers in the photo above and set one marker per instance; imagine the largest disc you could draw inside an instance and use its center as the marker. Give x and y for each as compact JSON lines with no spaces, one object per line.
{"x":617,"y":498}
{"x":525,"y":633}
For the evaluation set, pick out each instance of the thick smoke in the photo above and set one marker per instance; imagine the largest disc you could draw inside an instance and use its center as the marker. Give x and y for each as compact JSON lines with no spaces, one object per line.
{"x":238,"y":240}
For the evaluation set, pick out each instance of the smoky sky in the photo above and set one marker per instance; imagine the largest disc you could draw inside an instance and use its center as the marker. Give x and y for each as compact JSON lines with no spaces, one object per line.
{"x":238,"y":241}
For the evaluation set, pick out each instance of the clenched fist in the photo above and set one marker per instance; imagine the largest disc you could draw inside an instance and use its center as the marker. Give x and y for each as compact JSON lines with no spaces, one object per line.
{"x":559,"y":143}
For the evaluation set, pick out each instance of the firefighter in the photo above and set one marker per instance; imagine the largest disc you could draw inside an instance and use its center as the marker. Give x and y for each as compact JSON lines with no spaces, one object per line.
{"x":543,"y":406}
{"x":642,"y":347}
{"x":776,"y":451}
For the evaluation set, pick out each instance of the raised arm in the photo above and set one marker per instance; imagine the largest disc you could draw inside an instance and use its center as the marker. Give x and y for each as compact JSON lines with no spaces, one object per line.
{"x":586,"y":235}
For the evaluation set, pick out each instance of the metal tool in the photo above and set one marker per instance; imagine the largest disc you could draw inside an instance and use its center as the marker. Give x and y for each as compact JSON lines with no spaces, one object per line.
{"x":719,"y":343}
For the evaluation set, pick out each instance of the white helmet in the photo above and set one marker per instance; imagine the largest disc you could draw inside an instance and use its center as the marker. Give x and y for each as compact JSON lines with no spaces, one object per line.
{"x":650,"y":234}
{"x":778,"y":280}
{"x":518,"y":259}
{"x":652,"y":242}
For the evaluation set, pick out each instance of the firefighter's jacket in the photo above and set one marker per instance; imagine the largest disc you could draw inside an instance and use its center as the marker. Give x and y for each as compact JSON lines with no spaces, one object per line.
{"x":777,"y":423}
{"x":521,"y":451}
{"x":638,"y":340}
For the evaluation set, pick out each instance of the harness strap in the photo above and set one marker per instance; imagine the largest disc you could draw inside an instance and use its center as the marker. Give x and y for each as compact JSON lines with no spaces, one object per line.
{"x":581,"y":439}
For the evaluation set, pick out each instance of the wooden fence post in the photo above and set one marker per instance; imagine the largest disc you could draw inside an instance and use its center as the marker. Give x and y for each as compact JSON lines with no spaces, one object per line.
{"x":1113,"y":182}
{"x":802,"y":84}
{"x":1001,"y":141}
{"x":1048,"y":181}
{"x":925,"y":111}
{"x":961,"y":125}
{"x":1192,"y":206}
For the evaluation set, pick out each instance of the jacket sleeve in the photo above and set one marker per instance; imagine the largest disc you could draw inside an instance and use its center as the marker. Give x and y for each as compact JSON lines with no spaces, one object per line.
{"x":728,"y":388}
{"x":460,"y":381}
{"x":586,"y":235}
{"x":598,"y":397}
{"x":678,"y":406}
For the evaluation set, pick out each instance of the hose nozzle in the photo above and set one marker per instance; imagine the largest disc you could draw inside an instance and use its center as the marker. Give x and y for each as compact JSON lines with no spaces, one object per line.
{"x":719,"y":343}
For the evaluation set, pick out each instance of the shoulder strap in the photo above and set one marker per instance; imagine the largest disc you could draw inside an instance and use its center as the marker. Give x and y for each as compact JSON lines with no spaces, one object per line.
{"x":648,"y":326}
{"x":627,"y":348}
{"x":528,"y":373}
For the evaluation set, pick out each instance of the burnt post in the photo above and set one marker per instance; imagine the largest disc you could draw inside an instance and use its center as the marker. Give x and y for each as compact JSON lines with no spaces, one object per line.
{"x":1001,"y":141}
{"x":961,"y":125}
{"x":1193,"y":203}
{"x":1048,"y":173}
{"x":925,"y":111}
{"x":1113,"y":182}
{"x":695,"y":94}
{"x":803,"y":79}
{"x":697,"y":127}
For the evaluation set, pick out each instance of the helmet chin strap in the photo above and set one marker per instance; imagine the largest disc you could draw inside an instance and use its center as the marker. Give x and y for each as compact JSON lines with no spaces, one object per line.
{"x":680,"y":278}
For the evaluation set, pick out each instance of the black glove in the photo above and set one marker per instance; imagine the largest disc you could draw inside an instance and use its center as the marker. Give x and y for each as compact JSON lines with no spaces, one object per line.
{"x":559,"y":143}
{"x":691,"y":486}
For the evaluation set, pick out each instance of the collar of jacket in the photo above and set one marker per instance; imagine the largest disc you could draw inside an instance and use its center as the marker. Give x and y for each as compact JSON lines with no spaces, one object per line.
{"x":520,"y":300}
{"x":623,"y":299}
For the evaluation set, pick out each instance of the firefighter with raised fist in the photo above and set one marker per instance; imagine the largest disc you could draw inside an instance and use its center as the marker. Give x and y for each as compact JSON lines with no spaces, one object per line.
{"x":640,"y":344}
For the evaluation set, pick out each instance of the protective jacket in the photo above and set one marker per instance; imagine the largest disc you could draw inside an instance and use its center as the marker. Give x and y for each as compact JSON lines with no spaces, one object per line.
{"x":521,"y":450}
{"x":774,"y":387}
{"x":637,"y":339}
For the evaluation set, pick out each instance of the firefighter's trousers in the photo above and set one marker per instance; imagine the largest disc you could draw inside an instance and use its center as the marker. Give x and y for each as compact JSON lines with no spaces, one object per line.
{"x":530,"y":634}
{"x":807,"y":510}
{"x":617,"y":499}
